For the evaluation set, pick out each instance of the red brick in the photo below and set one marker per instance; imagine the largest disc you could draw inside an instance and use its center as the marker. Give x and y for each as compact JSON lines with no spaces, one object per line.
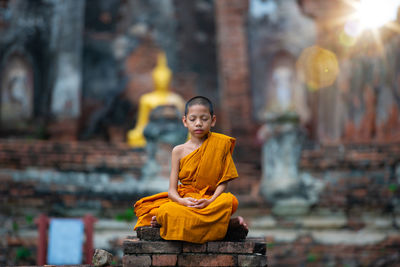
{"x":136,"y":260}
{"x":231,"y":15}
{"x":190,"y":259}
{"x":164,"y":259}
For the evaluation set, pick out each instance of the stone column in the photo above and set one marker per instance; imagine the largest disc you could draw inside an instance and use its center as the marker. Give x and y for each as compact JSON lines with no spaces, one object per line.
{"x":66,"y":45}
{"x":290,"y":191}
{"x":231,"y":19}
{"x":281,"y":150}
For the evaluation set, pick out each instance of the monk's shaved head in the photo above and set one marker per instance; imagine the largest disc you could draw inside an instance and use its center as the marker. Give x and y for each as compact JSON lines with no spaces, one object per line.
{"x":199,"y":100}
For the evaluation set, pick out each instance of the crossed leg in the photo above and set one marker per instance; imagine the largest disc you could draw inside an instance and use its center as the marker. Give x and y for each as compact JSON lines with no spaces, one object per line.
{"x":237,"y":228}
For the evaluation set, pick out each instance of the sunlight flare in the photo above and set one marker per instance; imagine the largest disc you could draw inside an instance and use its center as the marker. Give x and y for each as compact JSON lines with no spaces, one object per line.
{"x":373,"y":14}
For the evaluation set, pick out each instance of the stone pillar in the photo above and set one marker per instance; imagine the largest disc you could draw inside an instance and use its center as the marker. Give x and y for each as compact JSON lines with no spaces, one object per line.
{"x":280,"y":156}
{"x":66,"y":46}
{"x":290,"y":191}
{"x":231,"y":19}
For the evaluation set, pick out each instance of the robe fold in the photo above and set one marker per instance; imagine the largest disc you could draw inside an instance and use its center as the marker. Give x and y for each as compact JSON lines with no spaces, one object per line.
{"x":200,"y":172}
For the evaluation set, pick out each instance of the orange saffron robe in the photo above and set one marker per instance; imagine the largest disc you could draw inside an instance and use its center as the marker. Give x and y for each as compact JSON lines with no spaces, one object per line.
{"x":200,"y":172}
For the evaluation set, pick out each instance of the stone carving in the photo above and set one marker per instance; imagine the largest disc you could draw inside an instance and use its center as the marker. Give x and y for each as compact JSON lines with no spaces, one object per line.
{"x":283,"y":185}
{"x":164,"y":131}
{"x":16,"y":91}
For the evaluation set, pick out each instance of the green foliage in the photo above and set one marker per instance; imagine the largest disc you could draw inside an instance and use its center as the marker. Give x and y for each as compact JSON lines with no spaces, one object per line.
{"x":128,"y":215}
{"x":22,"y":253}
{"x":311,"y":257}
{"x":393,"y":188}
{"x":29,"y":219}
{"x":15,"y":226}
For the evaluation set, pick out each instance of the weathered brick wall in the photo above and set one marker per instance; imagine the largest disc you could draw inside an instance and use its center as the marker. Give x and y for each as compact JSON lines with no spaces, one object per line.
{"x":359,"y":175}
{"x":64,"y":177}
{"x":358,"y":178}
{"x":69,"y":156}
{"x":307,"y":252}
{"x":355,"y":175}
{"x":231,"y":17}
{"x":174,"y":253}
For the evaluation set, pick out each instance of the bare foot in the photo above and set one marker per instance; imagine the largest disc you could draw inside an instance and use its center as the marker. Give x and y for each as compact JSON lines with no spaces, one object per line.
{"x":238,"y":222}
{"x":242,"y":222}
{"x":154,"y":222}
{"x":237,"y":229}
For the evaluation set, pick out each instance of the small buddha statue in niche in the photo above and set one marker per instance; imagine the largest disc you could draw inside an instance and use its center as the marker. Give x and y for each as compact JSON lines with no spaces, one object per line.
{"x":159,"y":97}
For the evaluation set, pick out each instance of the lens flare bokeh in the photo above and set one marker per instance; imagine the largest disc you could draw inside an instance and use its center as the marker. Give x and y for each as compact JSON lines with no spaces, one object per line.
{"x":317,"y":67}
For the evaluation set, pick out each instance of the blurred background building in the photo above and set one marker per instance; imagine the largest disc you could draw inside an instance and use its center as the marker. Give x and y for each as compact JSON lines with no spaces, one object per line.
{"x":310,"y":89}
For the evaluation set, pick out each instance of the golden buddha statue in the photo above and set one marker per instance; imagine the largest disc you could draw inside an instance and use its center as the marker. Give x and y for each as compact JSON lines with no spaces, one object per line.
{"x":159,"y":97}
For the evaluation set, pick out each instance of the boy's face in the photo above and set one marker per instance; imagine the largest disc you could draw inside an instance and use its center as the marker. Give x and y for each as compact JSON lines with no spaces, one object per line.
{"x":198,"y":120}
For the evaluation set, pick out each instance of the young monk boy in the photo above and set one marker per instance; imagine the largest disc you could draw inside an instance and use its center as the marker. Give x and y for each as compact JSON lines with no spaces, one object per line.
{"x":197,"y":209}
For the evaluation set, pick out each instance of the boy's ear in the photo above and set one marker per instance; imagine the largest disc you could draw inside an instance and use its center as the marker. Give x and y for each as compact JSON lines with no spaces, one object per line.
{"x":184,"y":121}
{"x":213,"y":120}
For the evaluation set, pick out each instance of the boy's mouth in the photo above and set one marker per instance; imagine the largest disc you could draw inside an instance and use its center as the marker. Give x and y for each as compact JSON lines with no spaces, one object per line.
{"x":198,"y":131}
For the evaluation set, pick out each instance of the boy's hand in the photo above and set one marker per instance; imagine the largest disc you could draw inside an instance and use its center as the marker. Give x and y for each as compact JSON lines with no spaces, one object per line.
{"x":189,"y":202}
{"x":202,"y":203}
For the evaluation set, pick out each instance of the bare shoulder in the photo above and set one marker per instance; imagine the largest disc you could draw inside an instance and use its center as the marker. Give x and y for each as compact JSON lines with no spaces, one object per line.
{"x":178,"y":151}
{"x":181,"y":151}
{"x":178,"y":148}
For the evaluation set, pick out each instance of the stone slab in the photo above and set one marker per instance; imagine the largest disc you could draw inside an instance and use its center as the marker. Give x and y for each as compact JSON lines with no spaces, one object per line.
{"x":247,"y":247}
{"x":318,"y":222}
{"x":144,"y":247}
{"x":252,"y":260}
{"x":348,"y":237}
{"x":148,"y":233}
{"x":191,"y":247}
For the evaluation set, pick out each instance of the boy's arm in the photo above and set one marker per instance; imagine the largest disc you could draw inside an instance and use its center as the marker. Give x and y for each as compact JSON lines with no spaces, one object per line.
{"x":173,"y":181}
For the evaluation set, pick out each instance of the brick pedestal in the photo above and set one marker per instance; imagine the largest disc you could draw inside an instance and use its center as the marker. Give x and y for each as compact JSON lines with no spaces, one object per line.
{"x":140,"y":252}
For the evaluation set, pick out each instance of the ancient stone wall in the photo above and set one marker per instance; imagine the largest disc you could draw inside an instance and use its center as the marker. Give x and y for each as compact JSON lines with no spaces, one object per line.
{"x":354,"y":176}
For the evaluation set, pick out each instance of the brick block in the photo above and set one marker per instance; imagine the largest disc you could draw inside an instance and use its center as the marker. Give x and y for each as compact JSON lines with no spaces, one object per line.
{"x":190,"y":259}
{"x":148,"y":233}
{"x":246,"y":247}
{"x":191,"y":247}
{"x":164,"y":259}
{"x":143,"y":247}
{"x":136,"y":260}
{"x":252,"y":260}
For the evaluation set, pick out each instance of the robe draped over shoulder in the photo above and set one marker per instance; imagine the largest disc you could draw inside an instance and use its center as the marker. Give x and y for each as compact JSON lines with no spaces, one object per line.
{"x":200,"y":172}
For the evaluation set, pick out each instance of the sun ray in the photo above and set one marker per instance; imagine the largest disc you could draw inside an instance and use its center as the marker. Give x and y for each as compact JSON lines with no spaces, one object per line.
{"x":378,"y":41}
{"x":394,"y":26}
{"x":369,"y":20}
{"x":352,"y":3}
